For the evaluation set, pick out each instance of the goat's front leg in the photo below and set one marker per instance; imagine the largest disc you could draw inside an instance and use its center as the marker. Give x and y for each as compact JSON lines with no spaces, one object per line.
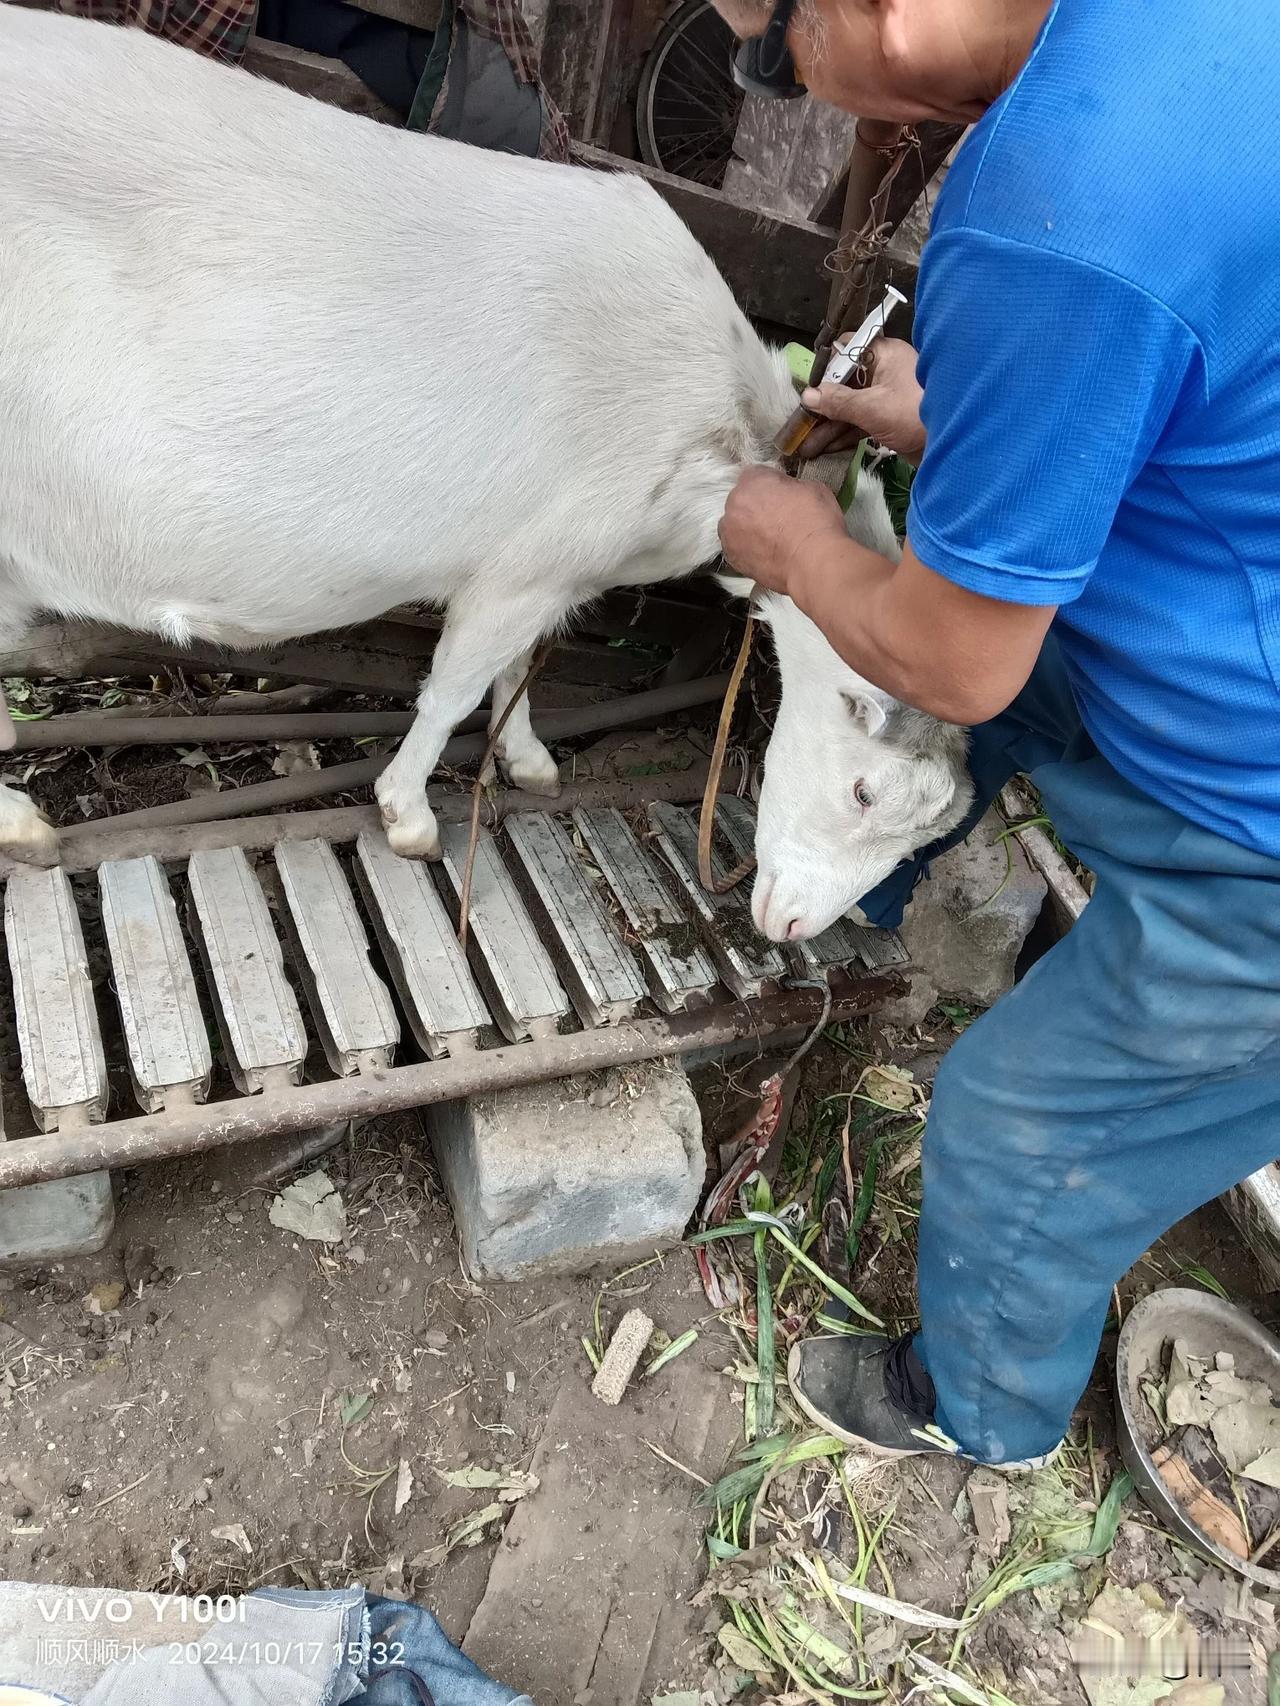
{"x":526,"y":763}
{"x":481,"y":641}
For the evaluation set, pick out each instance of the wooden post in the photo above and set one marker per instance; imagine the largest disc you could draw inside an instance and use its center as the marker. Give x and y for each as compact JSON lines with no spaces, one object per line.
{"x":882,"y":184}
{"x":588,"y":55}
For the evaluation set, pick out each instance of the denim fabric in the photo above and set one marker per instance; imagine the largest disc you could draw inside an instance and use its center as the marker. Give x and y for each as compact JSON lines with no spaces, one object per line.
{"x":406,"y":1643}
{"x":1131,"y":1076}
{"x":282,"y":1647}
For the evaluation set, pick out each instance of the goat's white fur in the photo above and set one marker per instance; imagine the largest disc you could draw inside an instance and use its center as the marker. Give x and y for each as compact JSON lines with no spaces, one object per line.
{"x":268,"y":369}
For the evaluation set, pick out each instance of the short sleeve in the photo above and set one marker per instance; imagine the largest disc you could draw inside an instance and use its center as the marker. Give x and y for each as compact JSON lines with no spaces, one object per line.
{"x":1047,"y":384}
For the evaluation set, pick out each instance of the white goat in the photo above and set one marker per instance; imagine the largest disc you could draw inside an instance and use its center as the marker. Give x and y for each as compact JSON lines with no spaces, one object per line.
{"x":268,"y":369}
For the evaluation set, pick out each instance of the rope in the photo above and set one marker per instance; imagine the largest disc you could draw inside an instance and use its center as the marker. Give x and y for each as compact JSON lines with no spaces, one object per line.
{"x":707,"y":821}
{"x":854,"y":255}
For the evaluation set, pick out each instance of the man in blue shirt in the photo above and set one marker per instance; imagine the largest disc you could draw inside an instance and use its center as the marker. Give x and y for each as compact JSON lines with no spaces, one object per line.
{"x":1092,"y":576}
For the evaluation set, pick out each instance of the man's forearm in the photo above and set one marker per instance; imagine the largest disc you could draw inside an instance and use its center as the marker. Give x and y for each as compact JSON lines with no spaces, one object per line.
{"x":914,"y":634}
{"x":846,"y":590}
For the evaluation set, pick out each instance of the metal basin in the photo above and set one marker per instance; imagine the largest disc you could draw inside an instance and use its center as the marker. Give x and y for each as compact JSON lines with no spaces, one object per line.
{"x":1209,"y":1325}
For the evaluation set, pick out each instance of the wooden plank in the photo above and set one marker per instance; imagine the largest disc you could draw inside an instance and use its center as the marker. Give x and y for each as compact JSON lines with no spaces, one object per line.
{"x":774,"y":266}
{"x":418,"y":14}
{"x":314,"y":74}
{"x":588,"y":62}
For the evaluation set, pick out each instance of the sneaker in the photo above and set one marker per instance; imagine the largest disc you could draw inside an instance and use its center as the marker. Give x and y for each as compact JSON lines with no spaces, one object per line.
{"x":875,"y":1394}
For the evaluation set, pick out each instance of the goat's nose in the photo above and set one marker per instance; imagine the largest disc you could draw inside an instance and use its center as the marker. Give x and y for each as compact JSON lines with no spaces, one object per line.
{"x":797,"y":930}
{"x":760,"y":898}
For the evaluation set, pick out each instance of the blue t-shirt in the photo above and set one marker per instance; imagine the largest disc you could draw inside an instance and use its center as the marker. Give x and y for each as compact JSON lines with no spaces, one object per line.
{"x":1099,"y":332}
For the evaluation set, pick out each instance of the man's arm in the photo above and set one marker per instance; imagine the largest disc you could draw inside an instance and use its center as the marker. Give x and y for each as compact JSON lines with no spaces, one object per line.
{"x":1047,"y":385}
{"x":917,"y":635}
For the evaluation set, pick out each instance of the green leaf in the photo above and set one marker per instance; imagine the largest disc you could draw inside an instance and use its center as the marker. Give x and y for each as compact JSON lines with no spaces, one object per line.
{"x":766,"y":1351}
{"x":355,"y":1408}
{"x":745,"y":1482}
{"x":899,"y":476}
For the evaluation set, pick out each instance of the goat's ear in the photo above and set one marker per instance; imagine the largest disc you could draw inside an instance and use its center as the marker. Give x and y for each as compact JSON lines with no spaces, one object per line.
{"x":737,"y":586}
{"x":867,"y":712}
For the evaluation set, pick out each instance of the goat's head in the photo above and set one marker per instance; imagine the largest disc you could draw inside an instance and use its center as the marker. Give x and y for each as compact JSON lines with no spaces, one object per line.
{"x":854,"y":782}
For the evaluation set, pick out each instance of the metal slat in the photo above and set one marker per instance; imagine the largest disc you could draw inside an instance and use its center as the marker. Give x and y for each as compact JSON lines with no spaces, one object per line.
{"x":421,"y":947}
{"x":351,"y":1005}
{"x":746,"y":960}
{"x":595,"y":963}
{"x":59,"y":1037}
{"x":257,"y":1010}
{"x":156,"y":990}
{"x":510,"y":962}
{"x":841,"y":943}
{"x":677,"y":966}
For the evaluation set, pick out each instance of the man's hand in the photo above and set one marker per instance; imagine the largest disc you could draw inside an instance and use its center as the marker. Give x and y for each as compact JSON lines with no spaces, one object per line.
{"x":772,"y":525}
{"x":886,"y":409}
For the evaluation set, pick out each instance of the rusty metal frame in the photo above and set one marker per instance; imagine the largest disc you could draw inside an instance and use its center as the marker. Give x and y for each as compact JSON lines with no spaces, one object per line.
{"x":194,"y":1130}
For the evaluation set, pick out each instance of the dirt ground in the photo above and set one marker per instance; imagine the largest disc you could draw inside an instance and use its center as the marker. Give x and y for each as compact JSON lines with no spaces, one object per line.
{"x":213,"y":1403}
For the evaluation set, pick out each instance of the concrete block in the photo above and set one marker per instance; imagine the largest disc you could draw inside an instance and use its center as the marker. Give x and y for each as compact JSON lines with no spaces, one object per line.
{"x":563,"y":1177}
{"x":966,"y":924}
{"x":65,"y":1217}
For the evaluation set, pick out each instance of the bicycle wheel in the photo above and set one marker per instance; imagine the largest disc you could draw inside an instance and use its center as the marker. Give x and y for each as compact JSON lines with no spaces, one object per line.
{"x":687,"y":104}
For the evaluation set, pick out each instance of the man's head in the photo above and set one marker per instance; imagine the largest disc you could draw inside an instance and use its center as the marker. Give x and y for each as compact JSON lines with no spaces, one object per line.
{"x":904,"y":60}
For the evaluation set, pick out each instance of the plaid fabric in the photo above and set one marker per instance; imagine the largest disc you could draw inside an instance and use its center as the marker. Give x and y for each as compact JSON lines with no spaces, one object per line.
{"x":222,"y":29}
{"x":219,"y":28}
{"x":503,"y":21}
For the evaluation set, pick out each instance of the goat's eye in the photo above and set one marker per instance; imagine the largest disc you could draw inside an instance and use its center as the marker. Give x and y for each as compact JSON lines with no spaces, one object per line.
{"x":862,"y":794}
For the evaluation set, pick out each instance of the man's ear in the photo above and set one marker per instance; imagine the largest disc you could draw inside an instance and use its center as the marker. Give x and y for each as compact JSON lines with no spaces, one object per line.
{"x":868,"y":713}
{"x":894,"y":28}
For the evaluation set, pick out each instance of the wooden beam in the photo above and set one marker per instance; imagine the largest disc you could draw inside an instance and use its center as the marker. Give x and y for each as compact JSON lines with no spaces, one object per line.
{"x":774,"y":266}
{"x":587,"y":62}
{"x":314,"y":74}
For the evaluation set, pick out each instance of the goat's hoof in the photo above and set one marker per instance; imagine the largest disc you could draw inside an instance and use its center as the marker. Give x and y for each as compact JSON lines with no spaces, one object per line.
{"x":413,"y":834}
{"x":489,"y":775}
{"x":536,"y":774}
{"x":28,"y":838}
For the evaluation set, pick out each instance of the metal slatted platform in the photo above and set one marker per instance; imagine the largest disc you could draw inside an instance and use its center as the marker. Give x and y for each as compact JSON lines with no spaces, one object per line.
{"x":331,"y":971}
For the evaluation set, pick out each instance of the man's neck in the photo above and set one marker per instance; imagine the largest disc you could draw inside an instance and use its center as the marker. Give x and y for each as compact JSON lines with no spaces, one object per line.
{"x":997,"y":40}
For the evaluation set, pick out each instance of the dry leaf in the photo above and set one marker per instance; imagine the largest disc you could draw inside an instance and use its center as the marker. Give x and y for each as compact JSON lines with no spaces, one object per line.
{"x":889,"y":1086}
{"x":989,"y":1498}
{"x":311,"y":1207}
{"x":233,"y":1533}
{"x":744,"y":1653}
{"x":1265,"y":1468}
{"x":294,"y":756}
{"x":510,"y":1484}
{"x":469,"y":1532}
{"x":404,"y":1485}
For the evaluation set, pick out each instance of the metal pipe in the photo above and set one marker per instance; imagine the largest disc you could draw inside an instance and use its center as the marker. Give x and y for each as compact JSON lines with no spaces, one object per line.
{"x":236,"y":703}
{"x":102,"y":840}
{"x":101,"y":729}
{"x":193,"y":1130}
{"x":339,"y":778}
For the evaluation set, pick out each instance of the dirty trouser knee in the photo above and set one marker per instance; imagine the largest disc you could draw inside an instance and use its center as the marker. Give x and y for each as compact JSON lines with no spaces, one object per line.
{"x":1130,"y":1077}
